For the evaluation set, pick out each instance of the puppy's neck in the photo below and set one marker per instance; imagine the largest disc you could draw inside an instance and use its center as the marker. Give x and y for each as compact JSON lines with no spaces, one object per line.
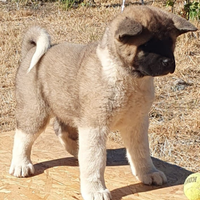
{"x":111,"y":67}
{"x":114,"y":70}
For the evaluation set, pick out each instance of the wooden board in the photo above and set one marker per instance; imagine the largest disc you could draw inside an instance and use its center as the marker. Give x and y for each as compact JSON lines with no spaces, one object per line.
{"x":57,"y":174}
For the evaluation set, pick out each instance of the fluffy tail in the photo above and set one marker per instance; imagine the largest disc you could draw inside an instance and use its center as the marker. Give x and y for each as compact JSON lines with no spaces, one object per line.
{"x":38,"y":37}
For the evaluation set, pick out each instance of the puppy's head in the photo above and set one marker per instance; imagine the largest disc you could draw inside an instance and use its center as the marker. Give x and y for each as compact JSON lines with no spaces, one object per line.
{"x":144,"y":37}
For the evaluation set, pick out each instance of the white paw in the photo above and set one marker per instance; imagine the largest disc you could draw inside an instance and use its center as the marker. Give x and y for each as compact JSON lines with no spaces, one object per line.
{"x":22,"y":170}
{"x":153,"y":178}
{"x":98,"y":195}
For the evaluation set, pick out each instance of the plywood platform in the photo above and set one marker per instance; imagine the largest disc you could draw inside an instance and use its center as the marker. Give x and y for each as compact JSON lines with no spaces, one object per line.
{"x":57,"y":174}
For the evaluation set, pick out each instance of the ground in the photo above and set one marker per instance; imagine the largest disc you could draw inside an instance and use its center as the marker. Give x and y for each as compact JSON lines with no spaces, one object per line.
{"x":57,"y":174}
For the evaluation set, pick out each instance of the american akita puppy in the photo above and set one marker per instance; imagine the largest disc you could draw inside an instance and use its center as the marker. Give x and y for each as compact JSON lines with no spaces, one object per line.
{"x":94,"y":89}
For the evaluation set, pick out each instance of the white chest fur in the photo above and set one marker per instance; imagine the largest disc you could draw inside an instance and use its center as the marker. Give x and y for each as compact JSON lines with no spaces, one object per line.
{"x":130,"y":96}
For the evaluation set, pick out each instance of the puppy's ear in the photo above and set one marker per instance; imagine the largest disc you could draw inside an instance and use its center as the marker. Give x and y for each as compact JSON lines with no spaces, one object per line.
{"x":182,"y":25}
{"x":127,"y":28}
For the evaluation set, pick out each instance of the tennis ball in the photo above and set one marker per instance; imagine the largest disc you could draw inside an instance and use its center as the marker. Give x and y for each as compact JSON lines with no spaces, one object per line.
{"x":192,"y":187}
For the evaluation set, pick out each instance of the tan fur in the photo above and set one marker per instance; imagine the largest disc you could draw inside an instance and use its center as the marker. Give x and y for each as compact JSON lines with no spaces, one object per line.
{"x":90,"y":89}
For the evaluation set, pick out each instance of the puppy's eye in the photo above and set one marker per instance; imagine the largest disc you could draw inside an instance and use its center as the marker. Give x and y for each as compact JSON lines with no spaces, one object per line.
{"x":145,"y":45}
{"x":149,"y":43}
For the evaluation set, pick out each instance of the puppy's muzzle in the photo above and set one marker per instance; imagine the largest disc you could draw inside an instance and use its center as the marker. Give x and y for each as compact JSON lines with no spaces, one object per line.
{"x":155,"y":66}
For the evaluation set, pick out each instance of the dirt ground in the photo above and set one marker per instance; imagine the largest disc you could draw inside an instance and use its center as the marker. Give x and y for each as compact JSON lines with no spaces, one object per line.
{"x":174,"y":132}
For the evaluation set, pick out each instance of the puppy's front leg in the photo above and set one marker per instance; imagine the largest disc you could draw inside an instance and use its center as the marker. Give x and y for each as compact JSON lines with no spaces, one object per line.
{"x":92,"y":161}
{"x":135,"y":137}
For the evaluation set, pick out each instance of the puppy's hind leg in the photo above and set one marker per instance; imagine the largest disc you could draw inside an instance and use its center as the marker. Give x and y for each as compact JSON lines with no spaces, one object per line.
{"x":31,"y":121}
{"x":21,"y":165}
{"x":68,"y":137}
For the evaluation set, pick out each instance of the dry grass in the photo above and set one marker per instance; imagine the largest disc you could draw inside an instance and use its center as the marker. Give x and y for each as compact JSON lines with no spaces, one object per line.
{"x":175,"y":121}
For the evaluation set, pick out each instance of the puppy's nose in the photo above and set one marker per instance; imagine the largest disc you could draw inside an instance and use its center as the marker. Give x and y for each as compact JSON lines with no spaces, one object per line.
{"x":166,"y":62}
{"x":169,"y":64}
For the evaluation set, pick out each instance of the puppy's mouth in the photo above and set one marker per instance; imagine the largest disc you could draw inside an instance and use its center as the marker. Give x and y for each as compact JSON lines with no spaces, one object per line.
{"x":141,"y":74}
{"x":138,"y":73}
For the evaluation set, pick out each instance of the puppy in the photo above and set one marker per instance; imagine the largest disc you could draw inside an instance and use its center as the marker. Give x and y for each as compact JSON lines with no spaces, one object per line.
{"x":95,"y":89}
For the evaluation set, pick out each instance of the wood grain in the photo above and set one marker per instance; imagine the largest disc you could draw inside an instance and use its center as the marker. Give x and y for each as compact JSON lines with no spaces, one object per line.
{"x":57,"y":174}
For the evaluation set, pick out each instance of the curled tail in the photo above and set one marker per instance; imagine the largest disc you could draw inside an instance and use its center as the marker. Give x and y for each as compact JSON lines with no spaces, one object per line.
{"x":38,"y":37}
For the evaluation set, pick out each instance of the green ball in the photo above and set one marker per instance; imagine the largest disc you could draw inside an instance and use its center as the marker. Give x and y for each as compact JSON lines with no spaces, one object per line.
{"x":192,"y":187}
